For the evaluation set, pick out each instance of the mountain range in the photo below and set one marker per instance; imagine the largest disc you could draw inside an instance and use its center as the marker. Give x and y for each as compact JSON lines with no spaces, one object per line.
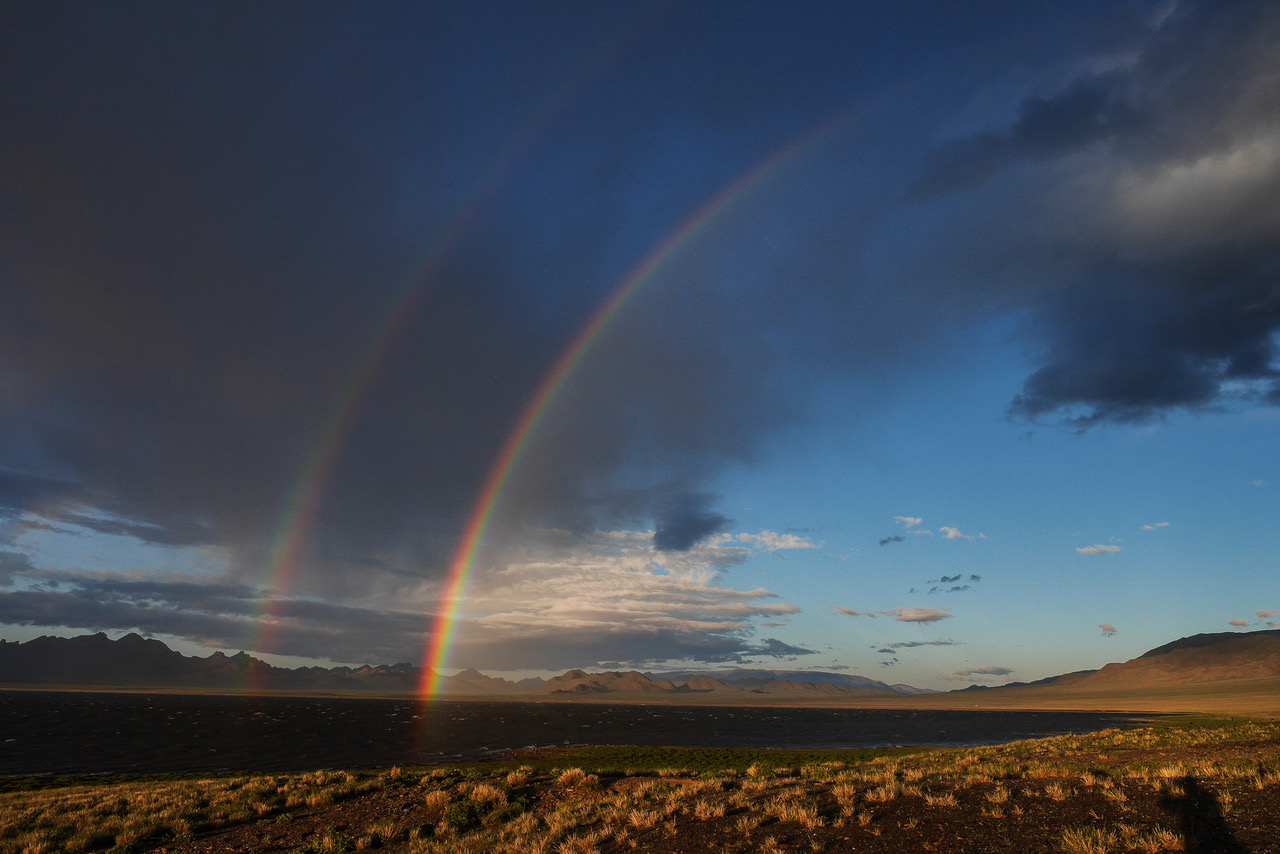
{"x":137,"y":662}
{"x":1203,"y":660}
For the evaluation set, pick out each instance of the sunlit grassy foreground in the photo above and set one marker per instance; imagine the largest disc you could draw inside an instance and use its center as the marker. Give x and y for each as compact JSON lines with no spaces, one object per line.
{"x":608,"y":799}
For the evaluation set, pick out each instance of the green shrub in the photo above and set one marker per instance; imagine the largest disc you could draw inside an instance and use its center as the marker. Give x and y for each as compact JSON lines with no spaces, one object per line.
{"x":514,"y":809}
{"x":464,"y":814}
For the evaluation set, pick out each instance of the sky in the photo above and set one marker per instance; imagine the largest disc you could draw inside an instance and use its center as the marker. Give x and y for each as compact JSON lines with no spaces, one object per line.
{"x":931,"y":342}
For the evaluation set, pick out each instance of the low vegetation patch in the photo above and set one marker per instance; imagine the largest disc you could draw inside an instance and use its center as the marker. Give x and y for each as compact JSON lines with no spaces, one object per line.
{"x":1207,"y":785}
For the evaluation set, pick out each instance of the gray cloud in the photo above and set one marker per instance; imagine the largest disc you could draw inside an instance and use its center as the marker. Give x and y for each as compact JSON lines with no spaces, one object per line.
{"x":978,"y":674}
{"x":914,"y":644}
{"x":556,"y":648}
{"x":1098,"y":549}
{"x":1090,"y":109}
{"x":1108,"y":630}
{"x":684,"y":520}
{"x":896,"y":538}
{"x":13,"y":563}
{"x":946,"y":584}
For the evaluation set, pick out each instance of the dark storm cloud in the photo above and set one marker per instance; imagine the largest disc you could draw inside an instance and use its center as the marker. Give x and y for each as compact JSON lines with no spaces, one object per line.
{"x":204,"y":244}
{"x":685,"y":520}
{"x":1177,"y":307}
{"x":1088,"y":110}
{"x":13,"y":563}
{"x":1143,"y":353}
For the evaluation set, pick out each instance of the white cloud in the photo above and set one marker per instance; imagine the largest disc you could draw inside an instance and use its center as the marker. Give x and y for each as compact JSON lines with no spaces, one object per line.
{"x":1238,"y":624}
{"x":954,"y":534}
{"x":849,"y":612}
{"x":1156,"y":526}
{"x":909,"y":522}
{"x":1098,"y":550}
{"x":770,"y":541}
{"x":614,"y":596}
{"x":924,"y":616}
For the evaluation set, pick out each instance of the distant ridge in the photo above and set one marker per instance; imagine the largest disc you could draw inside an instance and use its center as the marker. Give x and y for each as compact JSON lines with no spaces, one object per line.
{"x":1207,"y":640}
{"x":136,"y":662}
{"x":1214,"y":664}
{"x":1048,"y":680}
{"x":1216,"y":657}
{"x":757,"y":679}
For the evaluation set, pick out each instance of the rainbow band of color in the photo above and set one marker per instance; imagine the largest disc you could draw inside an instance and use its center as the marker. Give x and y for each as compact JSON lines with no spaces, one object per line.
{"x":464,"y":558}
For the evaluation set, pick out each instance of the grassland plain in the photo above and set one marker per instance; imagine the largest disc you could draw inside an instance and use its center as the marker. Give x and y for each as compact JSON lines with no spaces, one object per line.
{"x":1186,"y":784}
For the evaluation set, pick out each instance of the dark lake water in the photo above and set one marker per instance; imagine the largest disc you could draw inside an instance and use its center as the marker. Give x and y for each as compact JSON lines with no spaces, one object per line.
{"x":87,"y":733}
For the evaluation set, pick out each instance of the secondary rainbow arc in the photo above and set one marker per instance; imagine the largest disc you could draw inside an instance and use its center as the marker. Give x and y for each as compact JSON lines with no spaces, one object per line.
{"x":294,"y":527}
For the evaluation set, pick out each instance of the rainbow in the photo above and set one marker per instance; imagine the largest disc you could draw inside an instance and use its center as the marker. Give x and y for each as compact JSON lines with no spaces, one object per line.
{"x":302,"y":505}
{"x":296,"y":523}
{"x":464,"y":558}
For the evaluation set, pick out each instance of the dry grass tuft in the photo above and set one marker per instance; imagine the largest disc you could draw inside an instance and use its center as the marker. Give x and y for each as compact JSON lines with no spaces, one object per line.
{"x":1057,"y":792}
{"x":945,"y":799}
{"x":1088,"y":840}
{"x":572,"y":778}
{"x":885,"y":793}
{"x":643,"y":819}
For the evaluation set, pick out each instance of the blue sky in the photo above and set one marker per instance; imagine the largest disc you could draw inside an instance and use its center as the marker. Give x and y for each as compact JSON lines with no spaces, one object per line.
{"x":969,"y":375}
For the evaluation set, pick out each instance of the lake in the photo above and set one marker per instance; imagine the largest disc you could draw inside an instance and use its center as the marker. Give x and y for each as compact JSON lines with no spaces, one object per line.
{"x":56,"y":732}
